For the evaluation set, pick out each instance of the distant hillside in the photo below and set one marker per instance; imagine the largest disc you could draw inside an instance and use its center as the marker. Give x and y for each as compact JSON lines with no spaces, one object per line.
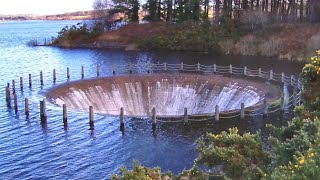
{"x":79,"y":15}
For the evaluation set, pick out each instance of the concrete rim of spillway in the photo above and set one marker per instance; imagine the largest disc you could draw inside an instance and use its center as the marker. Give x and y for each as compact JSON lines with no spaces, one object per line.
{"x":169,"y":94}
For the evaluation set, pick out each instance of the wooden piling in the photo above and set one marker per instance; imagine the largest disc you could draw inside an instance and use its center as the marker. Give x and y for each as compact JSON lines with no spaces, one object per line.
{"x":242,"y":115}
{"x":295,"y":100}
{"x":30,"y":81}
{"x":41,"y":78}
{"x":121,"y":118}
{"x":198,"y":67}
{"x":259,"y":72}
{"x":13,"y":86}
{"x":65,"y":114}
{"x":15,"y":101}
{"x":54,"y":76}
{"x":265,"y":108}
{"x":282,"y":104}
{"x":148,"y":68}
{"x":165,"y":66}
{"x":271,"y":75}
{"x":282,"y":77}
{"x":292,"y":80}
{"x":113,"y":70}
{"x":181,"y":66}
{"x":214,"y":68}
{"x":129,"y":68}
{"x":91,"y":120}
{"x":230,"y":69}
{"x":98,"y":70}
{"x":245,"y":70}
{"x":154,"y":117}
{"x":43,"y":111}
{"x":185,"y":115}
{"x":68,"y":73}
{"x":26,"y":107}
{"x":82,"y":72}
{"x":8,"y":97}
{"x":21,"y":84}
{"x":216,"y":116}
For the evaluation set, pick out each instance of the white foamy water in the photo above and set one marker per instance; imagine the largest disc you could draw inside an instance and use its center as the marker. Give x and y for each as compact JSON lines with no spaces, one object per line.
{"x":168,"y":97}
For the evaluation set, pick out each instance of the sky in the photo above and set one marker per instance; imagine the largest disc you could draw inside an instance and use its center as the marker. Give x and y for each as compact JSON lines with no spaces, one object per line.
{"x":43,"y":7}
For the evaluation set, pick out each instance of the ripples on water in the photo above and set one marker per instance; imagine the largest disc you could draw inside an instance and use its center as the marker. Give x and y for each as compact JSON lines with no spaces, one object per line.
{"x":29,"y":149}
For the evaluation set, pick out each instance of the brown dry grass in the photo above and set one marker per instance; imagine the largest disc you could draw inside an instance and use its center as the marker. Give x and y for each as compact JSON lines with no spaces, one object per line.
{"x":134,"y":31}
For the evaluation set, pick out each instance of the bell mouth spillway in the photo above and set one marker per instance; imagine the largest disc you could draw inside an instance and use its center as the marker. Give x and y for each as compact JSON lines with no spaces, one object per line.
{"x":169,"y":94}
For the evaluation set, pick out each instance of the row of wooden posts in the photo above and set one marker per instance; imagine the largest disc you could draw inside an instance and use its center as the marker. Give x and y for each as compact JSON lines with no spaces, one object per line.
{"x":113,"y":72}
{"x":43,"y":114}
{"x":91,"y":122}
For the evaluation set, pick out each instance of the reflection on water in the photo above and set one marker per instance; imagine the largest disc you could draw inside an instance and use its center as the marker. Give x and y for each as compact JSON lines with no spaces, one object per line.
{"x":29,"y":149}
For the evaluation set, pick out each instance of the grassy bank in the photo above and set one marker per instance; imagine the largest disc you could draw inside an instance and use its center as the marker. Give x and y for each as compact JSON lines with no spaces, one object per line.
{"x":285,"y":41}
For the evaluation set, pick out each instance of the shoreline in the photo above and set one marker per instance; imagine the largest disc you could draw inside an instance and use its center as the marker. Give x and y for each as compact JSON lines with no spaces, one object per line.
{"x":280,"y":42}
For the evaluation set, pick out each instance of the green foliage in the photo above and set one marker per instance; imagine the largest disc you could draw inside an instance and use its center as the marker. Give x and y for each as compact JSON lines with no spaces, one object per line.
{"x":140,"y":173}
{"x":296,"y":150}
{"x":241,"y":156}
{"x":191,"y":36}
{"x":311,"y":71}
{"x":79,"y":32}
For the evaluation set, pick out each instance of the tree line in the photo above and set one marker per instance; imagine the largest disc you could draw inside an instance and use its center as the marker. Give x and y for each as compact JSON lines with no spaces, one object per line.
{"x":215,"y":10}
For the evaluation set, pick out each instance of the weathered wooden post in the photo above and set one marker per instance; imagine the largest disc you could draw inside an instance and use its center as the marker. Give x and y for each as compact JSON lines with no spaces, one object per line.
{"x":15,"y":101}
{"x":65,"y":114}
{"x":216,"y":116}
{"x":121,"y":119}
{"x":292,"y":80}
{"x":41,"y":78}
{"x":154,"y":118}
{"x":113,"y":70}
{"x":54,"y":76}
{"x":294,"y":101}
{"x":198,"y":67}
{"x":181,"y":66}
{"x":265,"y":108}
{"x":43,"y":111}
{"x":230,"y":69}
{"x":259,"y":72}
{"x":91,"y":121}
{"x":30,"y":81}
{"x":185,"y":115}
{"x":26,"y":107}
{"x":165,"y":66}
{"x":271,"y":75}
{"x":129,"y":67}
{"x":242,"y":111}
{"x":98,"y":70}
{"x":245,"y":70}
{"x":21,"y":83}
{"x":8,"y":96}
{"x":282,"y":77}
{"x":214,"y":68}
{"x":282,"y":104}
{"x":13,"y":86}
{"x":148,"y":68}
{"x":82,"y":72}
{"x":68,"y":73}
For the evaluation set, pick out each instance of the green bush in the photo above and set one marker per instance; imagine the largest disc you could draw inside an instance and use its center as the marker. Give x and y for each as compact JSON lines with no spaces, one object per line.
{"x":80,"y":32}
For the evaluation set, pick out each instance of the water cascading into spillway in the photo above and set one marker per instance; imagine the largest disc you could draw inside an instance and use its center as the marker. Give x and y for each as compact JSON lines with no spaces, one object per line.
{"x":169,"y":94}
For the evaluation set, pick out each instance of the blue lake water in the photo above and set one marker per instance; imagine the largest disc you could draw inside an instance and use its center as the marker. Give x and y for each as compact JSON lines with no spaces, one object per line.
{"x":29,"y":149}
